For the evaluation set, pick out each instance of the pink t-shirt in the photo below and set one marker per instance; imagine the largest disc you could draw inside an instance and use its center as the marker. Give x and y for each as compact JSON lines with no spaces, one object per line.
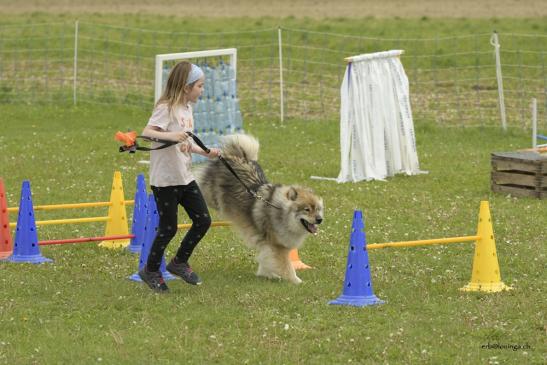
{"x":169,"y":166}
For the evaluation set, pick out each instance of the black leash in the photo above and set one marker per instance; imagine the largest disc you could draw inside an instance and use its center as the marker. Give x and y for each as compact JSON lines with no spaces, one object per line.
{"x":167,"y":143}
{"x":135,"y":147}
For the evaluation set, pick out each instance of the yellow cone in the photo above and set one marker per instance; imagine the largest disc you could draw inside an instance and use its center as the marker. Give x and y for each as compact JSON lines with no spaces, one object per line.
{"x":486,"y":271}
{"x":295,"y":261}
{"x":117,"y":217}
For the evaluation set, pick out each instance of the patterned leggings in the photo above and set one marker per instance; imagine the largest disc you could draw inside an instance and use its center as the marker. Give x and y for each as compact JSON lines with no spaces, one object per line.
{"x":167,"y":200}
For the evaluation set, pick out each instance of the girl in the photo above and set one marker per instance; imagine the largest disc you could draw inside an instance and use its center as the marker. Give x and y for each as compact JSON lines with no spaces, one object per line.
{"x":171,"y":179}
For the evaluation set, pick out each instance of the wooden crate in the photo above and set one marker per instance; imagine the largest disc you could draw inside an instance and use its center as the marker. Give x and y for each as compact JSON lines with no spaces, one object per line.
{"x":520,"y":173}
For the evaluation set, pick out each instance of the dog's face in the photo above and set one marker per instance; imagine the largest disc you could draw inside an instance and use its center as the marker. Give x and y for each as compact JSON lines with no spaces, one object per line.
{"x":307,"y":208}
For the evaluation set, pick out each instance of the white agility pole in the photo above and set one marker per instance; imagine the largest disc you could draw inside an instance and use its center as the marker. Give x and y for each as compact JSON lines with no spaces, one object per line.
{"x":494,"y":41}
{"x":534,"y":122}
{"x":74,"y":81}
{"x":281,"y":101}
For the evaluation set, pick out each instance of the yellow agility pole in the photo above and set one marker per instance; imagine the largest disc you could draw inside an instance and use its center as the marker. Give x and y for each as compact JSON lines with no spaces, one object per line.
{"x":213,"y":224}
{"x":435,"y":241}
{"x":72,"y":221}
{"x":67,"y":221}
{"x":71,"y":206}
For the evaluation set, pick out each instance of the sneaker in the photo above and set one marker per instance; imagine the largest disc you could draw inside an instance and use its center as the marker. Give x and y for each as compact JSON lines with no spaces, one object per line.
{"x":154,"y":280}
{"x":183,"y":271}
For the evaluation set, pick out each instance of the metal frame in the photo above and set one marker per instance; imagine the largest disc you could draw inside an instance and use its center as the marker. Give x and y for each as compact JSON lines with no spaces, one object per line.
{"x":160,"y":58}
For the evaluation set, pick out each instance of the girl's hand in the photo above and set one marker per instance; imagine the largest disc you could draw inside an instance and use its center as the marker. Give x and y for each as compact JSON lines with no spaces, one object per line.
{"x":178,"y":136}
{"x":213,"y":152}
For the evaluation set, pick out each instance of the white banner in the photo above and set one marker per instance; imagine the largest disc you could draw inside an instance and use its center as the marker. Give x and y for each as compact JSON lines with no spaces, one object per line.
{"x":376,"y":128}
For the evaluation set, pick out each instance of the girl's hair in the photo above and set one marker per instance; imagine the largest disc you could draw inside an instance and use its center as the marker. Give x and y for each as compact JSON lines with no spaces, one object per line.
{"x":174,"y":90}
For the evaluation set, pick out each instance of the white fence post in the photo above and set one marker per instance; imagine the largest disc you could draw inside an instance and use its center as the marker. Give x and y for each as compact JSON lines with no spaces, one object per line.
{"x":534,"y":122}
{"x":281,"y":101}
{"x":75,"y":62}
{"x":494,"y":40}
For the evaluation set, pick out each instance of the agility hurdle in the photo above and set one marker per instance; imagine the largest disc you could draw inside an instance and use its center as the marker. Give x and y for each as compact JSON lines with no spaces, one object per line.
{"x":26,"y":245}
{"x":116,"y":220}
{"x":435,"y":241}
{"x":116,"y":231}
{"x":85,"y":239}
{"x":116,"y":227}
{"x":485,"y":275}
{"x":116,"y":224}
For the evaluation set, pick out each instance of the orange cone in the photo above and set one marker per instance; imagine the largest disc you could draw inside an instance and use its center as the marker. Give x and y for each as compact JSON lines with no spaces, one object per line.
{"x":295,"y":261}
{"x":6,"y":245}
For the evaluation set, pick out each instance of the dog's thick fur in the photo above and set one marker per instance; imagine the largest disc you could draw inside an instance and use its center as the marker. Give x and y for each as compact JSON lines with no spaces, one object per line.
{"x":272,"y":231}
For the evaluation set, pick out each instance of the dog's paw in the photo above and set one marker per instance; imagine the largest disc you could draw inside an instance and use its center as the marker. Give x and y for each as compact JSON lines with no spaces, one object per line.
{"x":296,"y":280}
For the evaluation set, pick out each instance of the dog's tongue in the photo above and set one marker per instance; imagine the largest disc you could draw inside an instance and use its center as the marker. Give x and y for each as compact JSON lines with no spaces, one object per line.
{"x":313,"y":228}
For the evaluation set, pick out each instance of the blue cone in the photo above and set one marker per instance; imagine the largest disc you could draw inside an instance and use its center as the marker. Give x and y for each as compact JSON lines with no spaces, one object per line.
{"x":25,"y":247}
{"x":150,"y":228}
{"x":357,"y":289}
{"x":139,"y":216}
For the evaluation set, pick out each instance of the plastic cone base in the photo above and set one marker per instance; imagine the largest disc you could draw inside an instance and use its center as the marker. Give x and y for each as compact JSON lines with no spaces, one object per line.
{"x":117,"y":217}
{"x":32,"y":259}
{"x":139,"y":216}
{"x":357,"y":301}
{"x":357,"y":290}
{"x":134,"y":249}
{"x":6,"y":242}
{"x":152,"y":221}
{"x":485,"y":275}
{"x":26,"y":248}
{"x":487,"y":287}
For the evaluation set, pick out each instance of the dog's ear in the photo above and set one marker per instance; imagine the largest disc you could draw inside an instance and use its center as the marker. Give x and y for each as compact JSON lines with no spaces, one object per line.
{"x":292,"y":194}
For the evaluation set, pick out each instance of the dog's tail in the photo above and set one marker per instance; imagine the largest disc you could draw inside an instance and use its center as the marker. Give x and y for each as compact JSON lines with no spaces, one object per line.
{"x":240,"y":146}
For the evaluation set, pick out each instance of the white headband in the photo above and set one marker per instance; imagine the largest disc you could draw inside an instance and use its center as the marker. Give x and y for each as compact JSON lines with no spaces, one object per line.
{"x":194,"y":75}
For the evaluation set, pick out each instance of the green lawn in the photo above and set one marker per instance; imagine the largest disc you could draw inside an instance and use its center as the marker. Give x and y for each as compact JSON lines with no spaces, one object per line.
{"x":82,"y":309}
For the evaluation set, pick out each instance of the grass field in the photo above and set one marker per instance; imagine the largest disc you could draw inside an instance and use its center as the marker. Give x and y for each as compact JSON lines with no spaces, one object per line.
{"x":82,"y":309}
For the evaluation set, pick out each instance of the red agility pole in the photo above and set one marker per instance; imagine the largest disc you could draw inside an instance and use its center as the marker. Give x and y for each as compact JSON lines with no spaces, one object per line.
{"x":86,"y":239}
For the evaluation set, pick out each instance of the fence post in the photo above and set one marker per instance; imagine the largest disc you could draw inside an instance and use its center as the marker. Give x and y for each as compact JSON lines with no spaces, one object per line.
{"x":494,"y":41}
{"x":75,"y":62}
{"x":281,"y":101}
{"x":534,"y":122}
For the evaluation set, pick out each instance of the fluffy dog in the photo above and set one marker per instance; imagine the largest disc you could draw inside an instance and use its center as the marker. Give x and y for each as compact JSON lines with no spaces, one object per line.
{"x":273,"y":225}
